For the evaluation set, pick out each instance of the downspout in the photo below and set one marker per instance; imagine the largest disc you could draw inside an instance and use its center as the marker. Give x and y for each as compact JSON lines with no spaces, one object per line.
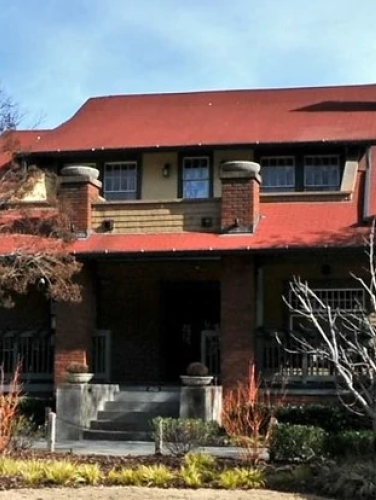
{"x":367,"y":185}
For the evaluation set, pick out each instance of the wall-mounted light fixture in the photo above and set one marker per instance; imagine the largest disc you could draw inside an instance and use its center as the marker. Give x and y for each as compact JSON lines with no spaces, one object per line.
{"x":166,"y":170}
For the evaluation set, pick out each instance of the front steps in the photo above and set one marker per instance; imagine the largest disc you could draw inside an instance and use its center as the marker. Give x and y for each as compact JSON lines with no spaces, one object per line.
{"x":128,"y":417}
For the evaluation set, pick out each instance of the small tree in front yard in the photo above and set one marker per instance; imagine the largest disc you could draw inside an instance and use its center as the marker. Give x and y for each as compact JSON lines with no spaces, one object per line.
{"x":248,"y":415}
{"x":34,"y":249}
{"x":343,"y":339}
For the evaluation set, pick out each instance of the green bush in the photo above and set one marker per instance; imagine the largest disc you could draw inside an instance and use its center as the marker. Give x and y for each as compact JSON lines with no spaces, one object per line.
{"x":350,"y":444}
{"x":349,"y":481}
{"x":182,"y":435}
{"x":33,"y":408}
{"x":297,"y":442}
{"x":240,"y":477}
{"x":333,"y":419}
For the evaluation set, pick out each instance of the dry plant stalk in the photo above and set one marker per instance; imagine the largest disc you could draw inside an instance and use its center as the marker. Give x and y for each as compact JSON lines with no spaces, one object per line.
{"x":248,"y":415}
{"x":9,"y":401}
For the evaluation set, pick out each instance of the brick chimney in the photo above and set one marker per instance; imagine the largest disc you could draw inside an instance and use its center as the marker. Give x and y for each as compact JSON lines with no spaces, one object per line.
{"x":78,"y":189}
{"x":240,"y":212}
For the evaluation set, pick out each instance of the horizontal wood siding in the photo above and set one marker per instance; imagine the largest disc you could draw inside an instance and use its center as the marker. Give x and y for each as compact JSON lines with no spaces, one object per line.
{"x":158,"y":217}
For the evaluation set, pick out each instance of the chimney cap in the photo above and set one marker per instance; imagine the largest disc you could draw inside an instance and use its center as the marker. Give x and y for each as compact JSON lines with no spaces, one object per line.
{"x":240,"y":169}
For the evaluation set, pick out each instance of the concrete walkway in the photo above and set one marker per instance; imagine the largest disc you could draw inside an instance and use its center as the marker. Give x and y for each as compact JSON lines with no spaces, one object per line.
{"x":133,"y":448}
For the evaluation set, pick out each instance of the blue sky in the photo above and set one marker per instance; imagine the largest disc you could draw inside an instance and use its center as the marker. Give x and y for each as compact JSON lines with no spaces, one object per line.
{"x":55,"y":54}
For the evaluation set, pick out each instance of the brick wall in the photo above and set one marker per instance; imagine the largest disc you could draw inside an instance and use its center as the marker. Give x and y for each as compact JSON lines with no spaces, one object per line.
{"x":76,"y":195}
{"x":75,"y":324}
{"x":240,"y":209}
{"x":237,"y":319}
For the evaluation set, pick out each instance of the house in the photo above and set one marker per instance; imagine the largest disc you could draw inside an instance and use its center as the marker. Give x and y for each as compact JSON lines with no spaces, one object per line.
{"x":195,"y":212}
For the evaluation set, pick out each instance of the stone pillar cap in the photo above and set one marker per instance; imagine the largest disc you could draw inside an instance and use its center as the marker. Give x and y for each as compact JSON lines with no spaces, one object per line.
{"x":80,"y":171}
{"x":240,"y":169}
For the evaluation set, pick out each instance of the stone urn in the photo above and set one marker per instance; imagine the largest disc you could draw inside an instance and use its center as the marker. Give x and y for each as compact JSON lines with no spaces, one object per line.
{"x":195,"y":380}
{"x":79,"y":378}
{"x":197,"y":375}
{"x":78,"y":373}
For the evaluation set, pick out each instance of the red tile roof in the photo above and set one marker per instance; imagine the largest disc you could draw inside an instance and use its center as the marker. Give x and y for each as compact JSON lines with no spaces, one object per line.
{"x":302,"y":115}
{"x":282,"y":226}
{"x":18,"y":140}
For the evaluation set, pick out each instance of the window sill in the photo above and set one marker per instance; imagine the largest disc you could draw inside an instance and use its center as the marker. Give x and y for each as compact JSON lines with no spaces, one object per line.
{"x":306,"y":196}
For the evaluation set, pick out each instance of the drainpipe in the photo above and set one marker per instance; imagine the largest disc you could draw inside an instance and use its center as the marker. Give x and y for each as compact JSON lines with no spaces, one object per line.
{"x":367,"y":185}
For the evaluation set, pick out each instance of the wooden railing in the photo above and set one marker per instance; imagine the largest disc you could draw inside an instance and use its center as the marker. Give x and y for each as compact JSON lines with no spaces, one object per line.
{"x":278,"y":360}
{"x":33,"y":350}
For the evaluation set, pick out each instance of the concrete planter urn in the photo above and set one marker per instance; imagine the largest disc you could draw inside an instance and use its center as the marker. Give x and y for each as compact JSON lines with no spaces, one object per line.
{"x":78,"y":373}
{"x":79,"y":378}
{"x":80,"y":170}
{"x":196,"y":381}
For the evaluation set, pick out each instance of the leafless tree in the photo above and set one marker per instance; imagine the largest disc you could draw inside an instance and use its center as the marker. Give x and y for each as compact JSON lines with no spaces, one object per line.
{"x":344,"y":340}
{"x":34,"y":241}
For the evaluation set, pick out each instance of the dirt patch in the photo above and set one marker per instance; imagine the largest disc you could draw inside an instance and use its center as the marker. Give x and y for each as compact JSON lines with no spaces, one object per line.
{"x":131,"y":493}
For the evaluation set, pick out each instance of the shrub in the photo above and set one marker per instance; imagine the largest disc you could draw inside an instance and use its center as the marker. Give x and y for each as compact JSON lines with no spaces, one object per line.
{"x":89,"y":473}
{"x":34,"y":408}
{"x":62,"y":472}
{"x":350,"y":481}
{"x":182,"y":435}
{"x":158,"y":476}
{"x":333,"y":419}
{"x":203,"y":463}
{"x":24,"y":433}
{"x":351,"y":444}
{"x":191,"y":476}
{"x":124,"y":477}
{"x":240,"y":477}
{"x":297,"y":442}
{"x":248,"y":415}
{"x":77,"y":368}
{"x":197,"y":369}
{"x":32,"y":471}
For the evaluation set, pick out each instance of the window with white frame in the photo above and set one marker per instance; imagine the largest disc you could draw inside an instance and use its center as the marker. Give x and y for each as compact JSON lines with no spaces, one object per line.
{"x":196,"y":177}
{"x":321,"y":173}
{"x":120,"y":180}
{"x":277,"y":173}
{"x":341,"y":299}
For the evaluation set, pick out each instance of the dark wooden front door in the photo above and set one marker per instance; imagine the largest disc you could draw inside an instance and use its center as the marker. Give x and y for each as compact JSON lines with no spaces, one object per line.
{"x":188,"y":309}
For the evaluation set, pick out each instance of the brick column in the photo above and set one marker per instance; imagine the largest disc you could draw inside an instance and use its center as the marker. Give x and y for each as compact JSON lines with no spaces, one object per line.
{"x":79,"y":188}
{"x":75,"y":324}
{"x":240,"y":209}
{"x":237,"y":319}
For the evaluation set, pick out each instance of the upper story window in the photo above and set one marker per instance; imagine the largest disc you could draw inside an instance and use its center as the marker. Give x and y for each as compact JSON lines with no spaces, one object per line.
{"x":195,"y":178}
{"x":321,"y":173}
{"x":278,"y":173}
{"x":120,"y":180}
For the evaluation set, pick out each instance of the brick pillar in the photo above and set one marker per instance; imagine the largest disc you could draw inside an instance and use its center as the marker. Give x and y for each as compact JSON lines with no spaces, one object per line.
{"x":237,"y":319}
{"x":75,"y":324}
{"x":240,"y":209}
{"x":79,"y":188}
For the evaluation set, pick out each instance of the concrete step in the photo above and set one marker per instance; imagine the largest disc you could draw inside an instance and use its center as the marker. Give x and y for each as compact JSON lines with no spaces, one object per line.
{"x":156,"y":407}
{"x":143,"y":396}
{"x":142,"y":424}
{"x":130,"y":416}
{"x":104,"y":435}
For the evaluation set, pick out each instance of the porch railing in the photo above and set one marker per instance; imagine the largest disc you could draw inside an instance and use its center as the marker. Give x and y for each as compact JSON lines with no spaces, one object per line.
{"x":275,"y":360}
{"x":33,"y":349}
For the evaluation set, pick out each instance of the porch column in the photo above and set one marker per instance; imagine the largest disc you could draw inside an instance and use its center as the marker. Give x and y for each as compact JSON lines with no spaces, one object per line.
{"x":238,"y":314}
{"x":75,"y":324}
